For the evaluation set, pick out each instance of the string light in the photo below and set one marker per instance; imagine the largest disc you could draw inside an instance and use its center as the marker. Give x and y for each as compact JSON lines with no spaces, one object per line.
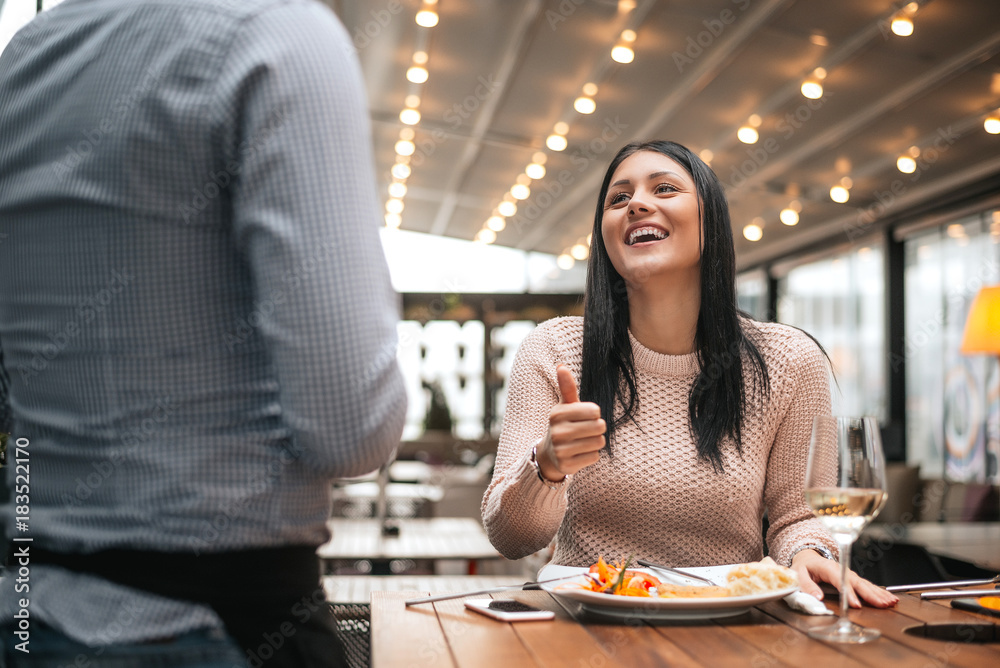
{"x":557,"y":140}
{"x":992,"y":123}
{"x":397,"y":189}
{"x":394,"y":206}
{"x":565,"y":261}
{"x":812,"y":87}
{"x":409,"y":116}
{"x":535,"y":171}
{"x":623,"y":52}
{"x":405,"y":147}
{"x":486,"y":236}
{"x":400,"y":171}
{"x":496,"y":223}
{"x":789,"y":216}
{"x":427,"y":17}
{"x":507,"y":209}
{"x":902,"y":21}
{"x":579,"y":252}
{"x":393,"y":220}
{"x":747,"y":135}
{"x":417,"y":74}
{"x":840,"y":194}
{"x":907,"y":163}
{"x":754,"y":231}
{"x":520,"y":191}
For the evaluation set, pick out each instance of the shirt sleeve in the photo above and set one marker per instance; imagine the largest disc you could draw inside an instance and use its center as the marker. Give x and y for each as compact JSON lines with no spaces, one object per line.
{"x":792,"y":524}
{"x":6,"y":417}
{"x":522,"y":514}
{"x":294,"y":131}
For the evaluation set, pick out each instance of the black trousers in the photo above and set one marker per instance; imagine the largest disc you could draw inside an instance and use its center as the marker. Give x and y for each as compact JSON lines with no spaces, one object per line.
{"x":270,"y":599}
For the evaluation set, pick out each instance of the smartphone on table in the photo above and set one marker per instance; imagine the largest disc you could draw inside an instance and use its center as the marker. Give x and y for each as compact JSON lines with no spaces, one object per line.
{"x":507,"y":610}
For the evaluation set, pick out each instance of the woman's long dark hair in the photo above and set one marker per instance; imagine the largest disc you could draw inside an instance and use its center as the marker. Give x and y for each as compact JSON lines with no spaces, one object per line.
{"x":717,"y":404}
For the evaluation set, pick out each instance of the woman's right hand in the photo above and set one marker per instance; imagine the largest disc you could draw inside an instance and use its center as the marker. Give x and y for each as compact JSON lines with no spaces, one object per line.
{"x":576,"y":432}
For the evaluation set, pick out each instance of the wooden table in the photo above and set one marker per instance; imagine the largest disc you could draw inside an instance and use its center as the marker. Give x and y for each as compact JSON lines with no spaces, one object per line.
{"x":974,"y":542}
{"x":423,"y":538}
{"x":445,"y":634}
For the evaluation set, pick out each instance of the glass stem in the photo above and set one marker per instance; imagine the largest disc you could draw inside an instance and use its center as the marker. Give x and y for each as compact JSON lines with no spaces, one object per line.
{"x":844,"y":544}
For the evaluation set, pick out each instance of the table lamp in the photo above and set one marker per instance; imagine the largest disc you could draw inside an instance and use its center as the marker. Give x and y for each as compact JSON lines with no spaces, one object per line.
{"x":982,"y":327}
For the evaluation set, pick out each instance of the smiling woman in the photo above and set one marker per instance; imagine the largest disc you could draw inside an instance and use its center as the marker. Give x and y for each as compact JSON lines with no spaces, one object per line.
{"x":692,"y":419}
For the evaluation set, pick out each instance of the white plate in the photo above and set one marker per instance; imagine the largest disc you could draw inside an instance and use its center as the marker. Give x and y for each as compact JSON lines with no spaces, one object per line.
{"x":630,"y":607}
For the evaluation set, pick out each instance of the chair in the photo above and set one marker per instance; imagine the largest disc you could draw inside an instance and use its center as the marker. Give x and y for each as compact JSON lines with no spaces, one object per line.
{"x":354,"y":626}
{"x":896,"y":563}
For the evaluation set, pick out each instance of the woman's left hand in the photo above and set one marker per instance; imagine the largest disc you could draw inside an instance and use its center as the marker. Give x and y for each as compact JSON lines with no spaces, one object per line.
{"x":813,"y":568}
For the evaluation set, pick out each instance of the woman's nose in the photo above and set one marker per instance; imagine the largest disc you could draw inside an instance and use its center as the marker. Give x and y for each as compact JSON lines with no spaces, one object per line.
{"x":635,"y":207}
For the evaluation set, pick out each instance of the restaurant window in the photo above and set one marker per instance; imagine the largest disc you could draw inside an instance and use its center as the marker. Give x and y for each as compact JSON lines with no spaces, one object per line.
{"x":840,"y":301}
{"x":952,"y":400}
{"x":448,"y":358}
{"x":751,"y":293}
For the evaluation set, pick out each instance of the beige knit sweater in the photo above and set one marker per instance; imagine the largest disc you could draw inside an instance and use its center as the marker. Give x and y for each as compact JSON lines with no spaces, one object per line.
{"x":655,"y":499}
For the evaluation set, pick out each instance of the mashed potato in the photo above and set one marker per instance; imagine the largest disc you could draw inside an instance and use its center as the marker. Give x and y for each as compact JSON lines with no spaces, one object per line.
{"x":760,"y":576}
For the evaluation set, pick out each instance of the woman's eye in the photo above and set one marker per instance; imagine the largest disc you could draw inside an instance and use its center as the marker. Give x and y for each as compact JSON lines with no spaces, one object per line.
{"x":665,"y":188}
{"x":618,"y":198}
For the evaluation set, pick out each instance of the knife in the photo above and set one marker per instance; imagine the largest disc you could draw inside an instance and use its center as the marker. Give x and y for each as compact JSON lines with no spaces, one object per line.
{"x":966,"y":593}
{"x":492,"y":590}
{"x":943,"y":585}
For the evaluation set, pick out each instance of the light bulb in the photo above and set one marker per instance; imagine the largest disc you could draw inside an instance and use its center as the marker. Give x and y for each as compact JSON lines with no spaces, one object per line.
{"x":902,"y":26}
{"x":622,"y":54}
{"x":486,"y":235}
{"x":523,"y":179}
{"x":405,"y":147}
{"x":416,"y":74}
{"x":565,"y":261}
{"x":427,"y":18}
{"x":400,"y":171}
{"x":394,"y":205}
{"x":393,"y":220}
{"x":812,"y":89}
{"x":839,"y":194}
{"x":753,"y":232}
{"x":496,"y":223}
{"x":747,"y":135}
{"x":520,"y":191}
{"x":397,"y":189}
{"x":706,"y":155}
{"x":407,"y":134}
{"x":556,"y":142}
{"x":992,"y":124}
{"x":789,"y":216}
{"x":906,"y":164}
{"x":579,"y":252}
{"x":535,"y":171}
{"x":585,"y":105}
{"x":409,"y":116}
{"x":507,"y":209}
{"x":561,"y":128}
{"x":539,"y":157}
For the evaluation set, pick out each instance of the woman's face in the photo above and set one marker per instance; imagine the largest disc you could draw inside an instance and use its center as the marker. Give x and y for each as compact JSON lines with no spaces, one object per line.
{"x":652,"y":222}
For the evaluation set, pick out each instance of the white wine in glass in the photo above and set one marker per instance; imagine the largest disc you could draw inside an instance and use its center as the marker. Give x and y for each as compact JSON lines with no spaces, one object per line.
{"x":845,"y":487}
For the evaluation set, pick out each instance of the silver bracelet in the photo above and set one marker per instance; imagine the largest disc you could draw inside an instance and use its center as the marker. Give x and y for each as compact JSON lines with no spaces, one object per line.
{"x":821,"y":549}
{"x":538,"y":470}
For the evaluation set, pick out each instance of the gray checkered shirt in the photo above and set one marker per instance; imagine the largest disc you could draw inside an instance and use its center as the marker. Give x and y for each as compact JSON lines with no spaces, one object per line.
{"x":197,"y":327}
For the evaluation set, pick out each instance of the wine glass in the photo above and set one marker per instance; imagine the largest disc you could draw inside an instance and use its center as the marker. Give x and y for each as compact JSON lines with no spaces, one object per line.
{"x":845,"y":487}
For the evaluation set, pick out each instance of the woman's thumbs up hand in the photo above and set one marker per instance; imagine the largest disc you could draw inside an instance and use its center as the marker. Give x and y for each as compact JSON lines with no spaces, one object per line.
{"x":576,"y":432}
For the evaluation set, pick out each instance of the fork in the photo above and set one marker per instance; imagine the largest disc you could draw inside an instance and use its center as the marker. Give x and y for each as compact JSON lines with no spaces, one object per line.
{"x":676,"y":571}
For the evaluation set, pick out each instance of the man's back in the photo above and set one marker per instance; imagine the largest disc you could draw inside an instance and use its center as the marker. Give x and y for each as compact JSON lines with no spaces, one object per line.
{"x":196,"y":319}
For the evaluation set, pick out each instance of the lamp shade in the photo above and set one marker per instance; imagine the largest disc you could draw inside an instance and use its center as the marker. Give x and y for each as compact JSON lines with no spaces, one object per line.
{"x":982,"y":328}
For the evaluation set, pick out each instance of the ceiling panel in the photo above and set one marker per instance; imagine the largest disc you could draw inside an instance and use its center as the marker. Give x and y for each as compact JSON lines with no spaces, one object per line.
{"x":503,"y":72}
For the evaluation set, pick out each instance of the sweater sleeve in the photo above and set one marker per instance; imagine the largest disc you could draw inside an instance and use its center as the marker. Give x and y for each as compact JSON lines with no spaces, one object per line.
{"x":520,"y":512}
{"x":792,"y":524}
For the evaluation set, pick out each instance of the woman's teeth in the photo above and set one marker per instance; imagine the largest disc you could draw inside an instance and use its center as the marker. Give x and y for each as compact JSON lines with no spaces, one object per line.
{"x":642,"y":233}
